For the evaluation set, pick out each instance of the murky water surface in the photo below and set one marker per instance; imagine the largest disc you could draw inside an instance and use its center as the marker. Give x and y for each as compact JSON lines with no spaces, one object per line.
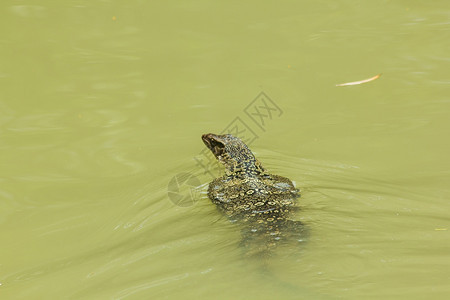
{"x":102,"y":105}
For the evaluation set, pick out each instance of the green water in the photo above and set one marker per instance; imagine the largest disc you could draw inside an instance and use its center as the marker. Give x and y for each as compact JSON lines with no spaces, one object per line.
{"x":102,"y":105}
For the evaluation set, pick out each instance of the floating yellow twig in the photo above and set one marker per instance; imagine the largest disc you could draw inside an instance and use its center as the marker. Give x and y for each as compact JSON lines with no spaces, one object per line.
{"x":361,"y":81}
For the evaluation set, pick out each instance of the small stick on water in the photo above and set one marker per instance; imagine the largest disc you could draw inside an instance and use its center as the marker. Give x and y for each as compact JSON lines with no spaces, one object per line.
{"x":360,"y":82}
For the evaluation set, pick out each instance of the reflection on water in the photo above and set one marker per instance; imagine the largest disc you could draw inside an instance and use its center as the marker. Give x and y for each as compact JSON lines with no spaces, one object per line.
{"x":101,"y":105}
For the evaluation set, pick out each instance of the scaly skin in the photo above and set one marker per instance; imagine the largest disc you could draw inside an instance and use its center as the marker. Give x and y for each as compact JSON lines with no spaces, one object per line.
{"x":250,"y":195}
